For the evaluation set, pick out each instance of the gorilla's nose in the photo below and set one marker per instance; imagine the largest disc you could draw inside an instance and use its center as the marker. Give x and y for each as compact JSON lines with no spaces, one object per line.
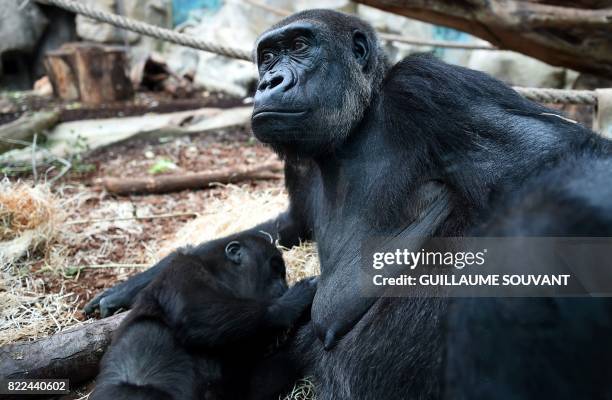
{"x":276,"y":81}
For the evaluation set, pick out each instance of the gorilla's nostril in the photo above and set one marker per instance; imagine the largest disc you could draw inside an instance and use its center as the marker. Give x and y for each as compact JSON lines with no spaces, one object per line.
{"x":275,"y":81}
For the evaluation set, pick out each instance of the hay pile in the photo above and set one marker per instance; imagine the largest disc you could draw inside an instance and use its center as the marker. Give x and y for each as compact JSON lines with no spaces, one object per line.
{"x":30,"y":218}
{"x":239,"y":209}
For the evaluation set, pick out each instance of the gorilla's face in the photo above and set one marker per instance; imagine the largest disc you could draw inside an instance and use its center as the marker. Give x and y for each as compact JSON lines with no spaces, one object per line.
{"x":254,"y":268}
{"x":312,"y":89}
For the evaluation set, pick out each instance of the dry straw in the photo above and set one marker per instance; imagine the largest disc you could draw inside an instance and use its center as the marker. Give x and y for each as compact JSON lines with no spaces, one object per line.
{"x":29,"y":221}
{"x":27,"y":312}
{"x":29,"y":218}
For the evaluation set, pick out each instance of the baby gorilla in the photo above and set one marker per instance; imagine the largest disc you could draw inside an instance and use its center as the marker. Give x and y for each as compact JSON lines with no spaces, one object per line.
{"x":199,"y":329}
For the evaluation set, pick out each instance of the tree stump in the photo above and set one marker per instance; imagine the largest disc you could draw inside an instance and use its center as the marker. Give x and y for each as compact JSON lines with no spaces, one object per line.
{"x":92,"y":73}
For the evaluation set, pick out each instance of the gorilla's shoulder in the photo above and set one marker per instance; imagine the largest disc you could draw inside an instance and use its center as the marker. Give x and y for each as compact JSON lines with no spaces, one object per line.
{"x":423,"y":80}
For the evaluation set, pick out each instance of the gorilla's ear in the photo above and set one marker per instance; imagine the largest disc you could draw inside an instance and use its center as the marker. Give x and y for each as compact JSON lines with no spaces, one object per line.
{"x":233,"y":252}
{"x":361,"y":47}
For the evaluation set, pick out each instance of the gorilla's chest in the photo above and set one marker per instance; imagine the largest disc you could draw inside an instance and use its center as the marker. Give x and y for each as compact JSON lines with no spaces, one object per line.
{"x":349,"y":209}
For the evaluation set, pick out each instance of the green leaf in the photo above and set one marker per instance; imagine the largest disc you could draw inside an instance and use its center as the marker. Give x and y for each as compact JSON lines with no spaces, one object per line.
{"x":161,"y":166}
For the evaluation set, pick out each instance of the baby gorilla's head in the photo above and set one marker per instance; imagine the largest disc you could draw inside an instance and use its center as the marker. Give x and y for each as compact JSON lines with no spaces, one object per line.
{"x":248,"y":264}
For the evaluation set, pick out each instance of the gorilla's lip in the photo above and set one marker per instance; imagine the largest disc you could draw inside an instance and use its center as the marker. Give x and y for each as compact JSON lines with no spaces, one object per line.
{"x":277,"y":113}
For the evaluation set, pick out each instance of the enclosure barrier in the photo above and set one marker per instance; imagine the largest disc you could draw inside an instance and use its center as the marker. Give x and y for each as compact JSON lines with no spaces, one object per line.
{"x":585,"y":97}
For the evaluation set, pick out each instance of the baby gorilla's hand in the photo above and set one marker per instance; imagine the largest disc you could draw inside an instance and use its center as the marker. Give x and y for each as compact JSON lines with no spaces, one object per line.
{"x":303,"y":291}
{"x":290,"y":306}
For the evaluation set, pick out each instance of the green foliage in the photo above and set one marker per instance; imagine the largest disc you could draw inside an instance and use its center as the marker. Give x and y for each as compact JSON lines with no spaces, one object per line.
{"x":162,"y":165}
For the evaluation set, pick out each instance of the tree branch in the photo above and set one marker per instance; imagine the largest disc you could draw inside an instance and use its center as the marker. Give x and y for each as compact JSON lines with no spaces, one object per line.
{"x":73,"y":354}
{"x":172,"y":183}
{"x":544,"y":15}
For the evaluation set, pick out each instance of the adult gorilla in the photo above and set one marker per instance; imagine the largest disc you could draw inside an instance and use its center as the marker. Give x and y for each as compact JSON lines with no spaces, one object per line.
{"x":421,"y":148}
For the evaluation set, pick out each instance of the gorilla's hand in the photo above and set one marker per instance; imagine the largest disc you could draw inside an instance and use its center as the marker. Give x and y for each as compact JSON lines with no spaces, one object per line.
{"x":121,"y":296}
{"x":302,"y":293}
{"x":291,"y":305}
{"x":112,"y":300}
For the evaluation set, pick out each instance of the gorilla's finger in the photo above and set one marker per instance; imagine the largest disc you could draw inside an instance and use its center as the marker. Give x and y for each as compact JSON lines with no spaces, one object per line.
{"x":313,"y":280}
{"x":110,"y":305}
{"x":94,"y":303}
{"x":90,"y":307}
{"x":309,"y":281}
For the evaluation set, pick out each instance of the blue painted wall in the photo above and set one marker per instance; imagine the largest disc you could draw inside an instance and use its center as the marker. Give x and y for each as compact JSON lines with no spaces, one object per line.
{"x":182,"y":8}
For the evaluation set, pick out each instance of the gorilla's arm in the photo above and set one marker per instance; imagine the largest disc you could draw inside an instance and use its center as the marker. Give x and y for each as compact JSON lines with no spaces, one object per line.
{"x":228,"y":321}
{"x":288,"y":228}
{"x":122,"y":294}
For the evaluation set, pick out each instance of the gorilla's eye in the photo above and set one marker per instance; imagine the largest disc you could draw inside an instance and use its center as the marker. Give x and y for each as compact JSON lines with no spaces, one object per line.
{"x":233,"y":252}
{"x":267,"y":56}
{"x":299,"y":45}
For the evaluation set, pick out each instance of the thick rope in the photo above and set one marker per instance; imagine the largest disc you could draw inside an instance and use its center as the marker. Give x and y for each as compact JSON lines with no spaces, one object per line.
{"x":148,"y":29}
{"x":586,"y":97}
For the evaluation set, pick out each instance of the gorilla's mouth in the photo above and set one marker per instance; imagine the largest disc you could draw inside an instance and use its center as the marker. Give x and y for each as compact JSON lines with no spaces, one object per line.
{"x":277,"y":113}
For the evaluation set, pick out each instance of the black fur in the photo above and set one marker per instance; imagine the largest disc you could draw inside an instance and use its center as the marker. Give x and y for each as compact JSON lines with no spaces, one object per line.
{"x":370,"y":149}
{"x":199,"y":329}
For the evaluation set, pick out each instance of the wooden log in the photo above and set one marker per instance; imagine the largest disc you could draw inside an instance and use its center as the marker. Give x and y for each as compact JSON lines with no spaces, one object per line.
{"x":24,"y":128}
{"x":173,"y":183}
{"x":73,"y":354}
{"x":574,"y":34}
{"x":92,"y":73}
